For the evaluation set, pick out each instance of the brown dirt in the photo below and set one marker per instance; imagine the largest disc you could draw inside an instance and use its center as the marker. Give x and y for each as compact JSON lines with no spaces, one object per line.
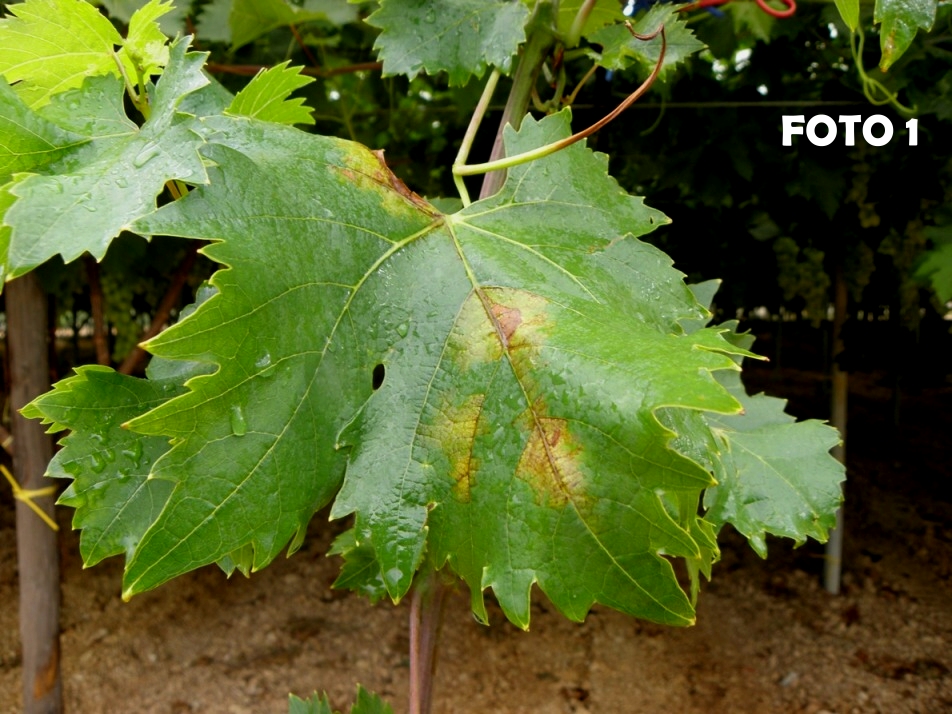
{"x":768,"y":638}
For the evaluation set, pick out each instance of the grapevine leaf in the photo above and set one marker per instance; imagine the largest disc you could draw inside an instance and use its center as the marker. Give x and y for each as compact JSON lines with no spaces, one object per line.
{"x":97,"y":191}
{"x":369,"y":703}
{"x":93,"y":111}
{"x":777,"y":475}
{"x":266,"y":97}
{"x":901,"y":19}
{"x":49,"y":46}
{"x":115,"y":501}
{"x":461,"y":38}
{"x":335,"y":12}
{"x":748,"y":19}
{"x":620,"y":50}
{"x":366,"y":703}
{"x":146,"y":44}
{"x":315,"y":704}
{"x":214,"y":23}
{"x":171,"y":21}
{"x":849,"y":11}
{"x":509,"y":345}
{"x":28,"y":141}
{"x":361,"y":571}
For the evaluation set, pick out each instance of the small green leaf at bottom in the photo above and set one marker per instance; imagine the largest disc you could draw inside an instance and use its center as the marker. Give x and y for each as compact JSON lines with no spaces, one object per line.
{"x":366,"y":703}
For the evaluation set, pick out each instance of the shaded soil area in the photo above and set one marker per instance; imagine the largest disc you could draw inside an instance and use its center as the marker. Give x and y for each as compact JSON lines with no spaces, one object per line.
{"x":768,"y":638}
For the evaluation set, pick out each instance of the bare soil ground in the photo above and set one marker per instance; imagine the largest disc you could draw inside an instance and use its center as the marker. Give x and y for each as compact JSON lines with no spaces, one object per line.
{"x":768,"y":638}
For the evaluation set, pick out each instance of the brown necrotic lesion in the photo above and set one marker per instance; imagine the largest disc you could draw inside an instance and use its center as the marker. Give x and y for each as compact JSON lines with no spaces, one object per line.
{"x":551,"y":460}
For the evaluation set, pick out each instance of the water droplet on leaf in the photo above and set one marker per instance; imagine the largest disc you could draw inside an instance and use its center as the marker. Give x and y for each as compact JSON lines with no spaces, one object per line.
{"x":98,"y":462}
{"x":402,"y":329}
{"x":149,"y":152}
{"x":239,"y":426}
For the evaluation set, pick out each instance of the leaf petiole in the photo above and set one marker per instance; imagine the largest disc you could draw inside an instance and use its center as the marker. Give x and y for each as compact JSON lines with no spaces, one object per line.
{"x":543,"y":151}
{"x":141,"y":105}
{"x":470,"y":136}
{"x":872,"y":86}
{"x":578,"y":24}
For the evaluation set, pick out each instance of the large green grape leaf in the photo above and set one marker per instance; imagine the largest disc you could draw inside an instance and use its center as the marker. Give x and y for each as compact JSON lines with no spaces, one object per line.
{"x":88,"y":196}
{"x":48,"y":46}
{"x":901,"y":19}
{"x":620,"y":49}
{"x":115,"y":501}
{"x":520,"y":349}
{"x":460,"y":37}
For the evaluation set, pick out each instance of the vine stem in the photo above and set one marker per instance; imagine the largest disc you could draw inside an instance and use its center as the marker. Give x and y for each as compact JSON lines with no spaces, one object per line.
{"x":140,"y":102}
{"x":97,"y":307}
{"x":162,"y":313}
{"x":578,"y":24}
{"x":870,"y":85}
{"x":543,"y":151}
{"x":426,"y":618}
{"x":471,"y":130}
{"x":541,"y":39}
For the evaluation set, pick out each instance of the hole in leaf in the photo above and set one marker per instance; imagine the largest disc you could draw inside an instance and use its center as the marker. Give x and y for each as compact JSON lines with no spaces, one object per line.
{"x":379,"y":373}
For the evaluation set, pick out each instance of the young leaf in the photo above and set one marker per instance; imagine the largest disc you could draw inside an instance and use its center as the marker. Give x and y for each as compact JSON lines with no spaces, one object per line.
{"x":146,"y":44}
{"x":266,"y":97}
{"x":315,"y":704}
{"x":171,"y":22}
{"x":505,"y":360}
{"x":901,"y":19}
{"x":461,"y":38}
{"x":620,"y":50}
{"x":89,"y":196}
{"x":115,"y":501}
{"x":48,"y":46}
{"x":361,"y":571}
